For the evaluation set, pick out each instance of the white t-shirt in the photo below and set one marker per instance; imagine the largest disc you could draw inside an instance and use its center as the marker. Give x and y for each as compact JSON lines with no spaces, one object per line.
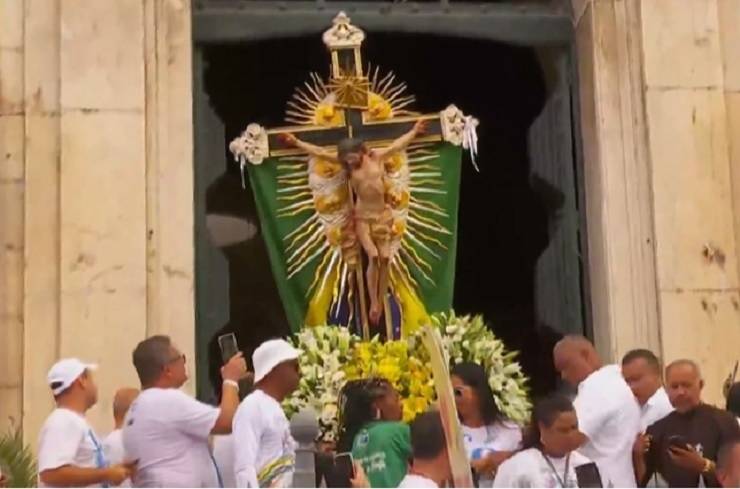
{"x":264,"y":452}
{"x":167,"y":432}
{"x":223,"y":454}
{"x":67,"y":439}
{"x":497,"y":437}
{"x":655,"y":409}
{"x":529,"y":468}
{"x":413,"y":480}
{"x":114,"y":452}
{"x":608,"y":414}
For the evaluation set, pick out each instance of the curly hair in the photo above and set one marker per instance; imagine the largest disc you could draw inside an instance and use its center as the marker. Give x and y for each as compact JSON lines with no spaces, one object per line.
{"x":356,"y":407}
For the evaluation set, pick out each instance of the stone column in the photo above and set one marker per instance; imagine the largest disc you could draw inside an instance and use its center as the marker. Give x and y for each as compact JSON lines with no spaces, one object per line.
{"x":728,"y":12}
{"x":689,"y":145}
{"x":618,"y":203}
{"x":96,"y":192}
{"x":41,"y":299}
{"x":12,"y":187}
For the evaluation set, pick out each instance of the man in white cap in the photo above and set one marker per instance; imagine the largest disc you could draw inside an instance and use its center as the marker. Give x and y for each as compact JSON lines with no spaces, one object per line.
{"x":70,"y":454}
{"x":166,"y":430}
{"x":264,"y":451}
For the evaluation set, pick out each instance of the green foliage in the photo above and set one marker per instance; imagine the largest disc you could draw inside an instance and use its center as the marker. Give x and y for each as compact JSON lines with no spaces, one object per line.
{"x":16,"y":460}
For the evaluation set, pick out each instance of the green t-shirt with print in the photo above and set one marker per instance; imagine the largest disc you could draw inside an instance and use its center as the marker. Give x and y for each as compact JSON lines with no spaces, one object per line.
{"x":384,"y":450}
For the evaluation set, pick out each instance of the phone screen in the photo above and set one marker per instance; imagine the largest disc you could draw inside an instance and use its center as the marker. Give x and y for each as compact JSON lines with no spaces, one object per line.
{"x":588,"y":475}
{"x":345,"y":466}
{"x":228,"y":346}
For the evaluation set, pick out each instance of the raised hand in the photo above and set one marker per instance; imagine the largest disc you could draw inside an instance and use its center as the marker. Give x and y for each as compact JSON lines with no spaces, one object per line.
{"x":288,"y":138}
{"x":420,"y":127}
{"x":235,"y":368}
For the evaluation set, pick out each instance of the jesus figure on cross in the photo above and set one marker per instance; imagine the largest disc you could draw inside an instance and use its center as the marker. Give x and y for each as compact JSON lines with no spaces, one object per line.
{"x":372,"y":217}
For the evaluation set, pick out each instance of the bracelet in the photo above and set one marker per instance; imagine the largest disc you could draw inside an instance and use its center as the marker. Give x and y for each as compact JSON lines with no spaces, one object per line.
{"x":708,"y":466}
{"x":232,"y":383}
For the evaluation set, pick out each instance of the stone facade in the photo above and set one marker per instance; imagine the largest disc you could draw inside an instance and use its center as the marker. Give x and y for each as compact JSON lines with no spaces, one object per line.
{"x":96,"y":185}
{"x":96,"y":181}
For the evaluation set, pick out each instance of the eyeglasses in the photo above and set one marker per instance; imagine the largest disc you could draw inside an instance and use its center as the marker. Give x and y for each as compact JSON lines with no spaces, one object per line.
{"x":181,"y":356}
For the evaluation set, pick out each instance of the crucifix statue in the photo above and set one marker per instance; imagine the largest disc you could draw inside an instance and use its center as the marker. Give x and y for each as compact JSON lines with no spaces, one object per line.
{"x":360,"y":164}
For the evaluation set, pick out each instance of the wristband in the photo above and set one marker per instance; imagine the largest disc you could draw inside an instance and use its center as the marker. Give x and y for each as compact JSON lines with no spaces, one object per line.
{"x":708,"y":466}
{"x":232,"y":383}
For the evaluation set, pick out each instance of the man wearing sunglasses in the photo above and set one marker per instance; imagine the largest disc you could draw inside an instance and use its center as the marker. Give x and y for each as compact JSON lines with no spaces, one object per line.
{"x":166,"y":430}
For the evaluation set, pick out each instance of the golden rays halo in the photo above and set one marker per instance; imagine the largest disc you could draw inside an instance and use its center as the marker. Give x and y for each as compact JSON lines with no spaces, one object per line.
{"x":322,"y":193}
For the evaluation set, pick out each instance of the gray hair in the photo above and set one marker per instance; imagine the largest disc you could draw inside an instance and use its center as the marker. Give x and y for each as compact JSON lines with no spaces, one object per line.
{"x":150,"y":357}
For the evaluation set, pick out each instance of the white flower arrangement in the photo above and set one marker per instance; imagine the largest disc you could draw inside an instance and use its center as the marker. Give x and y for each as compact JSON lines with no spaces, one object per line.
{"x":468,"y":339}
{"x":332,"y":355}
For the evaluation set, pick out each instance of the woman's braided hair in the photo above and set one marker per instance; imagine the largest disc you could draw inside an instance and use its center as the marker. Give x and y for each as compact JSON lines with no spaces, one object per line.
{"x":356,"y":407}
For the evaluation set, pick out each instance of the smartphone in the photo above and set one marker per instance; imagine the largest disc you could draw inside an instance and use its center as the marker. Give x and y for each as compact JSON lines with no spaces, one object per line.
{"x":344,"y":465}
{"x":588,"y":475}
{"x":228,"y":346}
{"x":678,"y":441}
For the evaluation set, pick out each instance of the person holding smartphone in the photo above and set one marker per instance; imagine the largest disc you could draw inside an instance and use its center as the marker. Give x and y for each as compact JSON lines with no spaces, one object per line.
{"x":549,"y":457}
{"x":682,"y":447}
{"x":166,"y":430}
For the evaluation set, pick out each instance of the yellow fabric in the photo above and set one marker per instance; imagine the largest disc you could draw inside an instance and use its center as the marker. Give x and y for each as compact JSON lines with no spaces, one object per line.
{"x":318,"y":309}
{"x":413,"y":313}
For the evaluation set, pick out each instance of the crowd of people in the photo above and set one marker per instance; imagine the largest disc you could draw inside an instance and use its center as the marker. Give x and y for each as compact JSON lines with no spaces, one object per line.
{"x":629,"y":425}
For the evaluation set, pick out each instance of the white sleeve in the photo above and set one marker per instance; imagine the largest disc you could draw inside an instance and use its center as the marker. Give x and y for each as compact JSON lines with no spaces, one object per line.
{"x":508,"y":439}
{"x":60,"y":440}
{"x":247,"y":432}
{"x":191,"y":416}
{"x":506,"y":475}
{"x":592,"y":412}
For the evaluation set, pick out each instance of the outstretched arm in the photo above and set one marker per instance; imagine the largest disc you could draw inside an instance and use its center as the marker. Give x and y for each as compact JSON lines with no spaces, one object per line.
{"x":309,"y":148}
{"x":402,"y":143}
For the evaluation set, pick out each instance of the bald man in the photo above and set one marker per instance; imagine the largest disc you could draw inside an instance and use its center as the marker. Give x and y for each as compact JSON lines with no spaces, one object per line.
{"x":682,"y":447}
{"x":113,"y":443}
{"x":608,"y":414}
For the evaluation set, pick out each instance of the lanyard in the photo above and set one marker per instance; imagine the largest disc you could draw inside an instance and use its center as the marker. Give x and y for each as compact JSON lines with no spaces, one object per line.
{"x":552,"y":467}
{"x":218,"y":472}
{"x":100,"y":461}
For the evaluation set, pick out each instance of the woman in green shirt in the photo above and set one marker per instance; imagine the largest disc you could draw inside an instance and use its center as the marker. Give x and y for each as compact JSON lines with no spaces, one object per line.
{"x":371,"y":428}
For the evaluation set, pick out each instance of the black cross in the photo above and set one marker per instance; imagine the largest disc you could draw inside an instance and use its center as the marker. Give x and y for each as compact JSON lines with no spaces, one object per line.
{"x":374,"y":133}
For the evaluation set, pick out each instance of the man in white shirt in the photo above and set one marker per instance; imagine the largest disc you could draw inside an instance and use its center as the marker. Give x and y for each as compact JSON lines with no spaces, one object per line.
{"x":166,"y":430}
{"x":264,"y":451}
{"x":642,"y":372}
{"x":113,"y":443}
{"x":69,"y":451}
{"x":431,"y":464}
{"x":608,"y":414}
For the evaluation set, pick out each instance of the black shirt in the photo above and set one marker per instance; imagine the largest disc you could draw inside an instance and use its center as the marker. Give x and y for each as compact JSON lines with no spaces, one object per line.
{"x":705,"y":428}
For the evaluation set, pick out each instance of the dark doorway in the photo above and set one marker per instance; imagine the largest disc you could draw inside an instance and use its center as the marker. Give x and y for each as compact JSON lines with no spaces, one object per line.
{"x":505,"y":221}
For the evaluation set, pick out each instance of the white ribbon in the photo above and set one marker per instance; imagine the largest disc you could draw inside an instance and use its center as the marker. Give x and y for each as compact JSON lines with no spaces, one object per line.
{"x":470,"y":139}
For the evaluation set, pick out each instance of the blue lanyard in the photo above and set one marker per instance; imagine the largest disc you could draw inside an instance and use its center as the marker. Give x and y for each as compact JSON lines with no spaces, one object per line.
{"x":218,"y":472}
{"x":100,"y":461}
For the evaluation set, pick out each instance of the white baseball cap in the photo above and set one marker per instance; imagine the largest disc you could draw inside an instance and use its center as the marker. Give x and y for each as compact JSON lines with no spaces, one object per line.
{"x":269,"y":355}
{"x":63,"y":373}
